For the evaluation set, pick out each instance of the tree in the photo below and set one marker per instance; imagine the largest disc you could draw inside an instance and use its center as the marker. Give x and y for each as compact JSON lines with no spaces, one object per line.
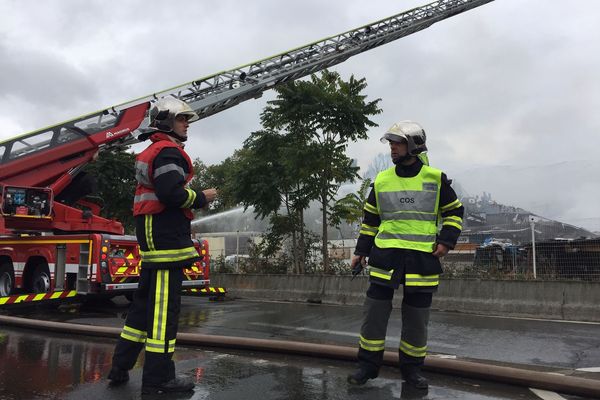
{"x":270,"y":174}
{"x":350,"y":207}
{"x":220,"y":176}
{"x":325,"y":113}
{"x":114,"y":172}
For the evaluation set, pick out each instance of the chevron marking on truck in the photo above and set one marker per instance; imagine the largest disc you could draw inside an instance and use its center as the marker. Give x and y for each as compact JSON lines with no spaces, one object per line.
{"x":31,"y":297}
{"x":209,"y":290}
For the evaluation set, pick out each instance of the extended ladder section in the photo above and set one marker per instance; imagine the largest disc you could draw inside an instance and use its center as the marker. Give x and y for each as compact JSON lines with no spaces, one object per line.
{"x":221,"y":91}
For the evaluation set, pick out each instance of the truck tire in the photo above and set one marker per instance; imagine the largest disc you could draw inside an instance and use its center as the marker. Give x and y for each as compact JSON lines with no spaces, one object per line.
{"x":7,"y":279}
{"x":40,"y":279}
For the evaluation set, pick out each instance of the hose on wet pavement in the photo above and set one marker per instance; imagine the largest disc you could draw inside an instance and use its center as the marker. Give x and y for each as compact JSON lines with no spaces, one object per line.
{"x":470,"y":369}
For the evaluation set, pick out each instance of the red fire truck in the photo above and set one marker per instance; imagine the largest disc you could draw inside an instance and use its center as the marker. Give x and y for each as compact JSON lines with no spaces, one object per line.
{"x":52,"y":248}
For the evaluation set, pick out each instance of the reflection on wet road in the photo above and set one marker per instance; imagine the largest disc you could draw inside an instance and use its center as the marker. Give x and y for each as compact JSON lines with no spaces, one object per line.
{"x":36,"y":366}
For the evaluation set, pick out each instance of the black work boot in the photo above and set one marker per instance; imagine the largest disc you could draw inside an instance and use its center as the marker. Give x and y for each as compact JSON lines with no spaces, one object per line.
{"x":173,"y":386}
{"x":412,"y":376}
{"x":117,"y":376}
{"x":361,"y":376}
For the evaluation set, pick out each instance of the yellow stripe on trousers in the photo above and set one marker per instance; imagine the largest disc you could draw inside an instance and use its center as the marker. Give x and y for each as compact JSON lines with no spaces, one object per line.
{"x":159,"y":326}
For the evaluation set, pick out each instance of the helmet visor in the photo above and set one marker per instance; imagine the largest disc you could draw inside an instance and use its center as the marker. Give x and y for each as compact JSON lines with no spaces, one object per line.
{"x":191,"y":115}
{"x":389,"y":136}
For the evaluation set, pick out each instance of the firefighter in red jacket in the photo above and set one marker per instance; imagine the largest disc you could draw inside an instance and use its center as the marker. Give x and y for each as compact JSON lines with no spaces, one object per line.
{"x":162,"y":209}
{"x":400,"y":237}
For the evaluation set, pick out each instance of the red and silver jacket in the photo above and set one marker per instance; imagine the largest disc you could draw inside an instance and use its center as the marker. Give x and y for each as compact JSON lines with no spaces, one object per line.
{"x":163,"y":203}
{"x":146,"y":201}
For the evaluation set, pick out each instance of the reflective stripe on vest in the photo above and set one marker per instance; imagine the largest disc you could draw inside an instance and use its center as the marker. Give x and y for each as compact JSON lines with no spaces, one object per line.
{"x":145,"y":196}
{"x":408,"y":208}
{"x":145,"y":201}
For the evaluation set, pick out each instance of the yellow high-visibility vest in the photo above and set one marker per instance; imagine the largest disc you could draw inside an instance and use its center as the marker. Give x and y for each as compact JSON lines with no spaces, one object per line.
{"x":408,"y":208}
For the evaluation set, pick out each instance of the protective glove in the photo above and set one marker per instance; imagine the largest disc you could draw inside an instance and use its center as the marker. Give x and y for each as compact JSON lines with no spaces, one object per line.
{"x":357,"y":265}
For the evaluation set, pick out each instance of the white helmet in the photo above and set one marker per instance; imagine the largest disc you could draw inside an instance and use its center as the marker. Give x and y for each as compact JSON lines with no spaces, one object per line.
{"x":164,"y":111}
{"x":409,"y":132}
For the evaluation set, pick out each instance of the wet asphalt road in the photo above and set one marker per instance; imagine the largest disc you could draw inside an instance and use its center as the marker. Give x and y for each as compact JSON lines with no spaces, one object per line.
{"x":48,"y":366}
{"x":569,"y":345}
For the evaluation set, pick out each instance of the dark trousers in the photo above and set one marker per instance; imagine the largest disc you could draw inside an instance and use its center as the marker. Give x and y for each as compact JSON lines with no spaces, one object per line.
{"x":415,"y":318}
{"x":152,"y":323}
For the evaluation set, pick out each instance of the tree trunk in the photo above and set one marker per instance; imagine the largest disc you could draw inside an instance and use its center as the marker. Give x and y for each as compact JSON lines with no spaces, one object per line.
{"x":302,"y":245}
{"x":294,"y":245}
{"x":324,"y":244}
{"x":295,"y":253}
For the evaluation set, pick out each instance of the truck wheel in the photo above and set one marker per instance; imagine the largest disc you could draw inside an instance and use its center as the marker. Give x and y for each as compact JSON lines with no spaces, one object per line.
{"x":40,"y":280}
{"x":7,"y":279}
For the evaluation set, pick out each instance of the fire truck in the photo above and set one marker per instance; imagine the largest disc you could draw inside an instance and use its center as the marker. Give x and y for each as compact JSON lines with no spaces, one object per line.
{"x":50,"y":247}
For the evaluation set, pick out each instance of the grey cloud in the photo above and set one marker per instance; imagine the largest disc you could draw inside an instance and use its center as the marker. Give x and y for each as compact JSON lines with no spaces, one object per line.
{"x":46,"y":82}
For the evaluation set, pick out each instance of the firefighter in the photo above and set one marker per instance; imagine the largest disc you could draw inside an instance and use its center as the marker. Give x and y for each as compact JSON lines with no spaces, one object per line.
{"x":162,"y":209}
{"x":399,"y":238}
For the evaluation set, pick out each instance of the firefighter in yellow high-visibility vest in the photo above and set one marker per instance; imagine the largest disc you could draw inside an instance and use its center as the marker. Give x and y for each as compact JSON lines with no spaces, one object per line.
{"x":400,"y":237}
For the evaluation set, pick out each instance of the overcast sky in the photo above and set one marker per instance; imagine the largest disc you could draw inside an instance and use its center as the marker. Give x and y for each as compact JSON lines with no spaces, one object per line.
{"x":508,"y":93}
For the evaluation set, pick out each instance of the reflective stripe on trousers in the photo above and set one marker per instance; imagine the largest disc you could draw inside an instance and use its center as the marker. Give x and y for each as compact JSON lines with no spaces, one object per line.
{"x":152,"y":323}
{"x":413,"y":340}
{"x":376,"y":314}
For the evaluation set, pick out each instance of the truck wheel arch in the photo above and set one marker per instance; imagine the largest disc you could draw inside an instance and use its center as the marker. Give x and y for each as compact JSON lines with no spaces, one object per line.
{"x":36,"y":275}
{"x":7,"y":276}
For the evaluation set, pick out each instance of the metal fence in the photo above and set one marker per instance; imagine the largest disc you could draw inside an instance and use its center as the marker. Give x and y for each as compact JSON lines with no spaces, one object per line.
{"x":526,"y":248}
{"x":563,"y":259}
{"x":577,"y":259}
{"x":508,"y":247}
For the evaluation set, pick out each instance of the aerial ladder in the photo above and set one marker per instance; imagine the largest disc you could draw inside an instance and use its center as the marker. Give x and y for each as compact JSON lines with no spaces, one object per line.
{"x":37,"y":166}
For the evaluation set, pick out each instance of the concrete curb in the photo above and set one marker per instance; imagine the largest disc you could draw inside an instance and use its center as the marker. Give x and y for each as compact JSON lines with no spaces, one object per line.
{"x":577,"y":301}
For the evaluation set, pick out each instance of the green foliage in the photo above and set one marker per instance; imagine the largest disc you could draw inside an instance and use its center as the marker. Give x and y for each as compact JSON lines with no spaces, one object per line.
{"x":299,"y":156}
{"x":264,"y":174}
{"x":260,"y":263}
{"x":219,"y":176}
{"x":322,"y":116}
{"x":326,"y":108}
{"x":312,"y":254}
{"x":274,"y":254}
{"x":269,"y":175}
{"x":218,"y":265}
{"x":115,"y":175}
{"x":350,"y":207}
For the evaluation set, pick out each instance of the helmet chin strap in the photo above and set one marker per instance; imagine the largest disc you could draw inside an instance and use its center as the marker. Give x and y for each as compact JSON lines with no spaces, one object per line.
{"x":401,"y":159}
{"x":176,"y":136}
